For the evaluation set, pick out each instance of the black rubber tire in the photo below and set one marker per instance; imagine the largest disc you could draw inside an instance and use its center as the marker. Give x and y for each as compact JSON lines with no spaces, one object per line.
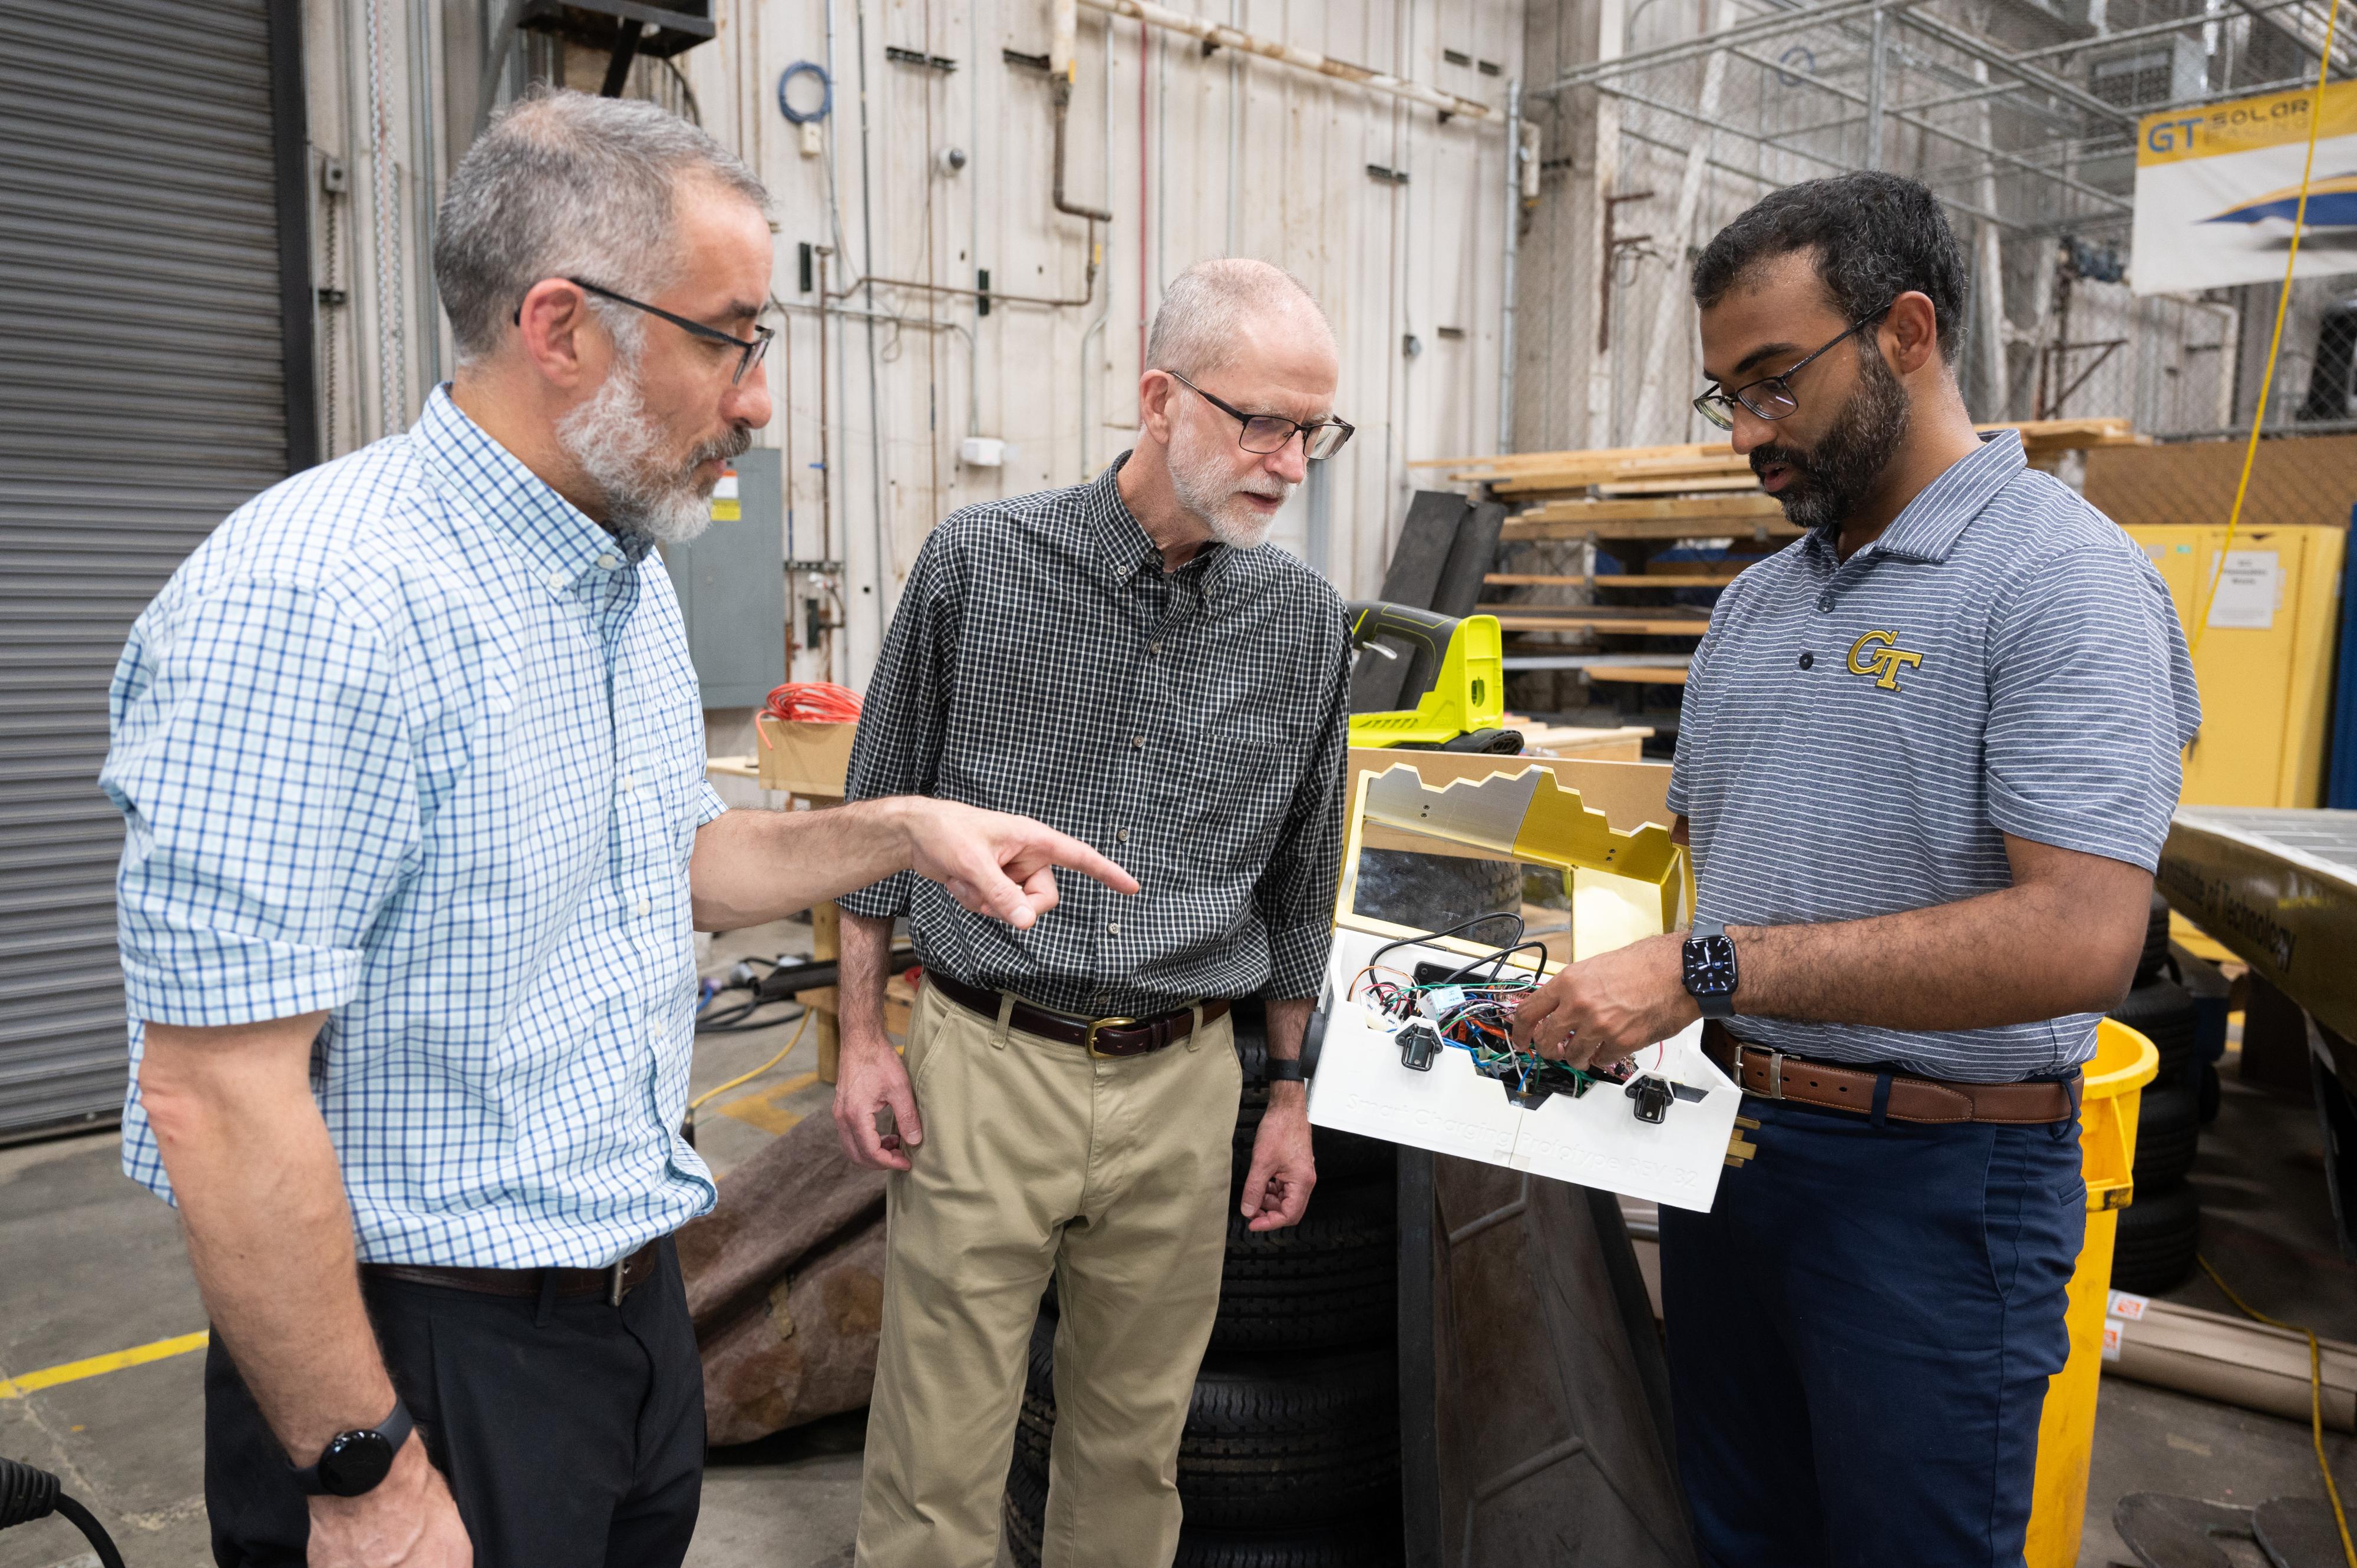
{"x":1330,"y":1282}
{"x":1269,"y":1445}
{"x":1375,"y":1545}
{"x":2208,"y":1091}
{"x":2156,"y":943}
{"x":2168,"y":1129}
{"x":2159,"y":1234}
{"x":2163,"y":1012}
{"x":1341,"y":1156}
{"x":1434,"y":891}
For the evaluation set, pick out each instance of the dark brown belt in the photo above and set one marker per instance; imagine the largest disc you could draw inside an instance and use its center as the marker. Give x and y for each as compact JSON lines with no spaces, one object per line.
{"x":613,"y":1282}
{"x":1778,"y":1075}
{"x":1100,"y":1038}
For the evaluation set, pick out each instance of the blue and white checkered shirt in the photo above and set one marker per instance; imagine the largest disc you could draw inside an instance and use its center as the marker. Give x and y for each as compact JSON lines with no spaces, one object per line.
{"x":412,"y":741}
{"x":1859,"y":736}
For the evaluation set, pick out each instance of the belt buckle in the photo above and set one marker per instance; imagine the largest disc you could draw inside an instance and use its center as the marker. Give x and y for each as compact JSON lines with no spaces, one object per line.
{"x":1775,"y":1090}
{"x":1104,"y":1024}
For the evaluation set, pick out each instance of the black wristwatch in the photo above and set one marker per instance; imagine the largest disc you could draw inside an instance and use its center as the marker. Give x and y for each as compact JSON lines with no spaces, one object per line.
{"x":1284,"y":1069}
{"x":357,"y":1462}
{"x":1709,"y":965}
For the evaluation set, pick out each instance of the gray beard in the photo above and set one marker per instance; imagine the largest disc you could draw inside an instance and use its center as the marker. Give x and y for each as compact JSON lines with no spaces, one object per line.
{"x":1206,"y":490}
{"x":618,"y":447}
{"x":1834,"y":477}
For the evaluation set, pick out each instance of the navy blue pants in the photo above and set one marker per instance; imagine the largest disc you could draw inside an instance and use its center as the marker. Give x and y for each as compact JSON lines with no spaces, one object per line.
{"x":1859,"y":1336}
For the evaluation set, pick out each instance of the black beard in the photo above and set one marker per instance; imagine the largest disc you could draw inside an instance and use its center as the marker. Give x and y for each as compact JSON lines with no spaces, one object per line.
{"x":1831,"y":478}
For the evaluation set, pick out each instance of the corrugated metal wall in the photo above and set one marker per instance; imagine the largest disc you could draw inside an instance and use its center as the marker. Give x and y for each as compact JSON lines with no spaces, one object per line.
{"x":141,"y":400}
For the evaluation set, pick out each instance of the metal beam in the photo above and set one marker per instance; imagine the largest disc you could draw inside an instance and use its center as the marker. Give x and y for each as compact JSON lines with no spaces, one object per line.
{"x":1963,"y":43}
{"x":1743,"y":33}
{"x":1772,"y":182}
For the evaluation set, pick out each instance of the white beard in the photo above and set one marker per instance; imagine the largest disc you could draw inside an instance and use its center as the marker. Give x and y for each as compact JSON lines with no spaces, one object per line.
{"x":618,"y":447}
{"x":1204,"y":485}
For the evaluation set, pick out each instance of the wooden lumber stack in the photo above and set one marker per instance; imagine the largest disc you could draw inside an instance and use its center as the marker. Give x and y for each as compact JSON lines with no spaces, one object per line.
{"x":1631,"y":501}
{"x":1693,"y":489}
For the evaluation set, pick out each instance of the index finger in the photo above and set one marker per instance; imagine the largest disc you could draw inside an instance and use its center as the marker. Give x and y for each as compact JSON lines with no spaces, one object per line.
{"x":1066,"y":850}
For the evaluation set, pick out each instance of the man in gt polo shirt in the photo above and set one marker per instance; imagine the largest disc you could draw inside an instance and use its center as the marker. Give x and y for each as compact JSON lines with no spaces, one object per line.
{"x":1927,"y":758}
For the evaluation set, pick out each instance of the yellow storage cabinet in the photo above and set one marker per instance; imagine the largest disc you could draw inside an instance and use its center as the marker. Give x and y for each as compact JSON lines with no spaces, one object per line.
{"x":2265,"y":662}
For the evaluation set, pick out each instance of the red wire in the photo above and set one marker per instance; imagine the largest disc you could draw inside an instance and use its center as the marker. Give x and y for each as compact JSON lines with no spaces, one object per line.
{"x":813,"y":702}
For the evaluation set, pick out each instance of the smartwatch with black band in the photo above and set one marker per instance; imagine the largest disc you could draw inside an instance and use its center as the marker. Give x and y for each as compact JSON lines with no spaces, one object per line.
{"x":1708,"y":964}
{"x":357,"y":1462}
{"x":1285,"y":1069}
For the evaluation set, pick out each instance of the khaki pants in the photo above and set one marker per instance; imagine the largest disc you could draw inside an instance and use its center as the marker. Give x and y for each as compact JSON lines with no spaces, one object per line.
{"x":1111,"y":1174}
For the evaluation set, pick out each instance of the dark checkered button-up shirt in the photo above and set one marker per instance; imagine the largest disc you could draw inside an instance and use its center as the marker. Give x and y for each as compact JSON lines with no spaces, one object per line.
{"x":1189,"y":724}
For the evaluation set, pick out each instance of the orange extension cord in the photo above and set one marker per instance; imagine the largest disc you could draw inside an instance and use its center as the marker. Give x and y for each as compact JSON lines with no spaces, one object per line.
{"x":812,"y":702}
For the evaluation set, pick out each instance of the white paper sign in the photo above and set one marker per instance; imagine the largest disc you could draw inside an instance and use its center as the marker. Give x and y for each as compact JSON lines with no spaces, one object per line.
{"x":2248,"y":586}
{"x":1597,"y":1139}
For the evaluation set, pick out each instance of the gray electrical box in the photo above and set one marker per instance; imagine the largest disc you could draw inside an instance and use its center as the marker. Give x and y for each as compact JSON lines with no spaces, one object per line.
{"x":731,"y":583}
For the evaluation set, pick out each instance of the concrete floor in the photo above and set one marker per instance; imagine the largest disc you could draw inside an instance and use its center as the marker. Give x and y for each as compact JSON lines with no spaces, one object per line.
{"x":90,"y":1264}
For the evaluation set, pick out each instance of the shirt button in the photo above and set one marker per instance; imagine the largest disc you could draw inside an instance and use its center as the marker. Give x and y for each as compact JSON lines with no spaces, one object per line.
{"x":642,"y":908}
{"x":627,"y":783}
{"x":1121,"y":835}
{"x":1825,"y":602}
{"x":1154,"y":648}
{"x":609,"y":560}
{"x":558,"y":582}
{"x":1113,"y":928}
{"x":1808,"y":659}
{"x":1137,"y":741}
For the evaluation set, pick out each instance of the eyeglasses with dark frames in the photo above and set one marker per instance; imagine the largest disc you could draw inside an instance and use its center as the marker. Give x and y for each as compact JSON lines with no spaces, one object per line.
{"x":1263,"y":434}
{"x":749,"y":351}
{"x":1771,"y":397}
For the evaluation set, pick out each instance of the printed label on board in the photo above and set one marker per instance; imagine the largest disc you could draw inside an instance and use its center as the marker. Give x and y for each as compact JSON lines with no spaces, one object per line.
{"x":2112,"y":1329}
{"x":2122,"y":1303}
{"x":2248,"y":585}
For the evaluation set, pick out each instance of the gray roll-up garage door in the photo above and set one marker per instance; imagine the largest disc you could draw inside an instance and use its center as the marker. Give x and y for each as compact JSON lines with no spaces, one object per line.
{"x":143,"y":396}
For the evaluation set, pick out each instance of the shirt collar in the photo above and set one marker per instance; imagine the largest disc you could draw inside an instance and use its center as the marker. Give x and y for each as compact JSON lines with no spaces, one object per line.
{"x":559,"y":540}
{"x":1928,"y":527}
{"x":1125,"y":549}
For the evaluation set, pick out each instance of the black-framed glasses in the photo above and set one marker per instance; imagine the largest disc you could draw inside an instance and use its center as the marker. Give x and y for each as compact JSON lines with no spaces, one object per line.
{"x":1771,"y":397}
{"x":1264,"y":433}
{"x":749,"y":351}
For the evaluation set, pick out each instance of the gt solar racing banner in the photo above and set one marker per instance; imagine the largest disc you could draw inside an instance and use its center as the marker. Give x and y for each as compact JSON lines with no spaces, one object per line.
{"x":2217,"y":189}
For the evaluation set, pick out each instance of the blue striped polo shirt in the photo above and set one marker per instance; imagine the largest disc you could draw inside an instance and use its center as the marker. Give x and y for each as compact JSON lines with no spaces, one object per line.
{"x":1858,"y":737}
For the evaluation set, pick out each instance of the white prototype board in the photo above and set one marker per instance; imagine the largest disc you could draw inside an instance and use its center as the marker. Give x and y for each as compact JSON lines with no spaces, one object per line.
{"x":1596,"y":1140}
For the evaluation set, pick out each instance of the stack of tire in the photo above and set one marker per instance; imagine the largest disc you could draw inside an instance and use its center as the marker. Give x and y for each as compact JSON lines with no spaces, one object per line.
{"x":1290,"y":1457}
{"x":2160,"y":1230}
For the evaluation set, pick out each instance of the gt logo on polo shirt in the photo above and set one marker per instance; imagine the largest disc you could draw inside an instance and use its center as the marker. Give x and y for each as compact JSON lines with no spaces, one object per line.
{"x":1877,"y":653}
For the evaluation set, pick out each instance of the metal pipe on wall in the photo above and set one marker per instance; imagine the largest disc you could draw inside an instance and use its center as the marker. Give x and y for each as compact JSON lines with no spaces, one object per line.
{"x":1229,"y":37}
{"x":1513,"y":242}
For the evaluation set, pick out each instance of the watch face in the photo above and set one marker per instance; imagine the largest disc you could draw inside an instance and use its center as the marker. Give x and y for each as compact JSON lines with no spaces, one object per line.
{"x":1710,"y":966}
{"x":354,"y":1463}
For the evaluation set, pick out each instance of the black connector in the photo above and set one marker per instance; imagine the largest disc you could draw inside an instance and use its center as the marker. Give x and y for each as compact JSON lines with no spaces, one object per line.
{"x":28,"y":1494}
{"x":1652,"y":1096}
{"x":1419,"y":1046}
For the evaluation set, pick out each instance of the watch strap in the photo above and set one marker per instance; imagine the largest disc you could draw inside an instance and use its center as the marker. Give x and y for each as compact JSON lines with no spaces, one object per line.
{"x":394,"y":1429}
{"x":1284,"y":1069}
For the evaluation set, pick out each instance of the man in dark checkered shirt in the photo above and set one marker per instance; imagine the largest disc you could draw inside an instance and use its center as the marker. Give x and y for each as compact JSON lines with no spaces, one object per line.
{"x":1124,"y":661}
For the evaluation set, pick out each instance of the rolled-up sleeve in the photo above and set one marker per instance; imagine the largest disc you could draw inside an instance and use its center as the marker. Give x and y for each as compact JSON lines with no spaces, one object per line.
{"x":263,"y":765}
{"x":1295,"y":895}
{"x":2091,"y":699}
{"x":897,"y":749}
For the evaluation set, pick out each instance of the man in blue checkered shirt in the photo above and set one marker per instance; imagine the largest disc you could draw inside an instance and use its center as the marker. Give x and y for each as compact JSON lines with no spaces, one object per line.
{"x":411,"y":768}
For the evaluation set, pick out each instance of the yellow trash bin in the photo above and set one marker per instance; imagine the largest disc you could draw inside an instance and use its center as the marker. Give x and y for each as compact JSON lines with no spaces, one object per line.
{"x":2124,"y":1062}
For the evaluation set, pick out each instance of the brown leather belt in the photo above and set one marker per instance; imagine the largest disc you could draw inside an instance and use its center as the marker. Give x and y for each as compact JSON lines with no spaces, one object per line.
{"x":1778,"y":1075}
{"x":1100,"y":1038}
{"x":613,"y":1282}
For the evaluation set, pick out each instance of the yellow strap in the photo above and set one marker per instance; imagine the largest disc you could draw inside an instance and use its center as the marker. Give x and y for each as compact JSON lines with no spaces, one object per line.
{"x":2283,"y":302}
{"x":2315,"y":1356}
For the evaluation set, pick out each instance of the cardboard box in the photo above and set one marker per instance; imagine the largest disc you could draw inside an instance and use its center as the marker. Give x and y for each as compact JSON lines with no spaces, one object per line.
{"x":1613,"y":836}
{"x":804,"y":758}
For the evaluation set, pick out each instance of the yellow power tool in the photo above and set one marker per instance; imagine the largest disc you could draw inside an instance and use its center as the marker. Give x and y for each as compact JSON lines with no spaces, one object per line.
{"x":1454,"y":670}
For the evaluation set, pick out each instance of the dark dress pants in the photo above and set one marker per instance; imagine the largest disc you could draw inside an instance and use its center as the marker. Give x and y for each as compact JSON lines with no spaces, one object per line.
{"x":572,"y":1436}
{"x":1859,"y":1336}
